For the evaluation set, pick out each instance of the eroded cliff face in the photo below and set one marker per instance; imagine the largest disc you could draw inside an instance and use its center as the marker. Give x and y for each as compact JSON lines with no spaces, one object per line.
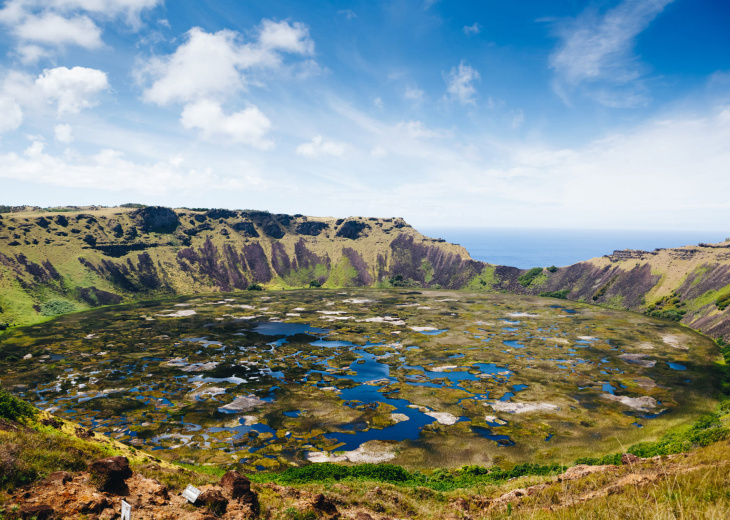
{"x":56,"y":263}
{"x":53,"y":263}
{"x":689,"y":284}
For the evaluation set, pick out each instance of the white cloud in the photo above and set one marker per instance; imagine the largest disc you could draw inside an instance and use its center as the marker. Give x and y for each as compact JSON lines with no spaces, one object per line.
{"x":129,"y":9}
{"x":109,"y":170}
{"x":318,"y":147}
{"x":417,"y":130}
{"x":282,"y":36}
{"x":206,"y":64}
{"x":596,"y":54}
{"x":72,"y":89}
{"x":472,"y":29}
{"x":12,"y":114}
{"x":347,"y":13}
{"x":213,"y":64}
{"x":51,"y":28}
{"x":415,"y":95}
{"x":378,"y":102}
{"x":63,"y":133}
{"x":249,"y":126}
{"x":42,"y":25}
{"x":460,"y":84}
{"x":31,"y":53}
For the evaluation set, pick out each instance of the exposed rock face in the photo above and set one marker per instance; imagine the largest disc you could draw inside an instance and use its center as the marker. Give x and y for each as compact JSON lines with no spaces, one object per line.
{"x":312,"y":228}
{"x":39,"y":512}
{"x":156,"y":252}
{"x":319,"y":505}
{"x":110,"y":474}
{"x":238,"y":487}
{"x":213,"y":500}
{"x":157,"y":219}
{"x":352,"y":229}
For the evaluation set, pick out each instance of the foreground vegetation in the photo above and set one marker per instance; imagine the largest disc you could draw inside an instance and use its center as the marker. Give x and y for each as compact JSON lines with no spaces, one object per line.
{"x":691,"y":486}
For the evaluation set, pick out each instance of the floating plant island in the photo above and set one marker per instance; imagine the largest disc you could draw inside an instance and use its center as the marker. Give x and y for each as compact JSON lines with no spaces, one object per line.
{"x":421,"y":379}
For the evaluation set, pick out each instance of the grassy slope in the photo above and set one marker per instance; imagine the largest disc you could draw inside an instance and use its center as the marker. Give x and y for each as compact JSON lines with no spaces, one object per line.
{"x":22,"y":294}
{"x":678,"y":283}
{"x":689,"y":486}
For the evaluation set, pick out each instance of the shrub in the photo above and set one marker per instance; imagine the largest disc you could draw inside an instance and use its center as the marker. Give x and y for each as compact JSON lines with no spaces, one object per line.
{"x":255,"y":287}
{"x":561,"y":295}
{"x":669,"y":314}
{"x":315,"y":284}
{"x":723,"y":302}
{"x":13,"y":409}
{"x":56,"y":307}
{"x":527,"y":278}
{"x":552,"y":269}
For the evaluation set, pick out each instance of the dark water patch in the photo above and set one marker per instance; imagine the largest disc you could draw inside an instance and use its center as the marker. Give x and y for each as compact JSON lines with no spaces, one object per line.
{"x":502,"y":440}
{"x":286,"y":329}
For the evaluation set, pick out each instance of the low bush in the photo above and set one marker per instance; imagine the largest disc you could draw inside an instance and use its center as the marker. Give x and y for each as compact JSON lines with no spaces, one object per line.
{"x":57,"y":307}
{"x":723,"y":302}
{"x":669,"y":314}
{"x":706,"y":430}
{"x":527,"y":278}
{"x":561,"y":295}
{"x":14,"y":409}
{"x":255,"y":287}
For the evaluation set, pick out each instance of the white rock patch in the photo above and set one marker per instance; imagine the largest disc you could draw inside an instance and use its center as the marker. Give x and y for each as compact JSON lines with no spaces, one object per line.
{"x":638,"y":359}
{"x":510,"y":407}
{"x":644,"y":403}
{"x":522,"y":315}
{"x":243,"y":404}
{"x":423,"y":329}
{"x":399,"y":417}
{"x":388,"y":320}
{"x":370,"y":452}
{"x":443,"y":417}
{"x":443,"y":368}
{"x":178,"y":314}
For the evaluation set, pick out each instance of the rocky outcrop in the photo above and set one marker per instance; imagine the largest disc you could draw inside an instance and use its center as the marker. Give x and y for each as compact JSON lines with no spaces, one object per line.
{"x":110,"y":474}
{"x":73,"y":261}
{"x":156,"y":219}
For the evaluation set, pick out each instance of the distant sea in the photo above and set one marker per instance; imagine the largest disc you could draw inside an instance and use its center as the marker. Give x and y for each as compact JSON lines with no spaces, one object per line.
{"x":525,"y":248}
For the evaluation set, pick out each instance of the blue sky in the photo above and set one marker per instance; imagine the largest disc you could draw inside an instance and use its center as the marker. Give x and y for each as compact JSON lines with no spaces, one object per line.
{"x":563,"y":114}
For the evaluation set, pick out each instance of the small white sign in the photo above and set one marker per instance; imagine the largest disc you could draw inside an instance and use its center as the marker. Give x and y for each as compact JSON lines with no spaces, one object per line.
{"x":126,"y":511}
{"x":191,"y":493}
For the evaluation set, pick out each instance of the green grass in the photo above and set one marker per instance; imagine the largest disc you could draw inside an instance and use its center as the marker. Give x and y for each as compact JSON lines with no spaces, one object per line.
{"x":530,"y":276}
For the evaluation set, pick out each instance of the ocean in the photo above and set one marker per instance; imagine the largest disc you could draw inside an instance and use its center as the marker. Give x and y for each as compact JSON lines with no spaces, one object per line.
{"x":525,"y":248}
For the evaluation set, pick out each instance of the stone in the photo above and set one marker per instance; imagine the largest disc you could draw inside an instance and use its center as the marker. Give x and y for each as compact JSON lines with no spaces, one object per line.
{"x":321,"y":506}
{"x":109,"y":474}
{"x":629,"y":458}
{"x":461,"y":504}
{"x":39,"y":512}
{"x":213,"y":500}
{"x":60,"y":477}
{"x":84,"y":433}
{"x":235,"y":484}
